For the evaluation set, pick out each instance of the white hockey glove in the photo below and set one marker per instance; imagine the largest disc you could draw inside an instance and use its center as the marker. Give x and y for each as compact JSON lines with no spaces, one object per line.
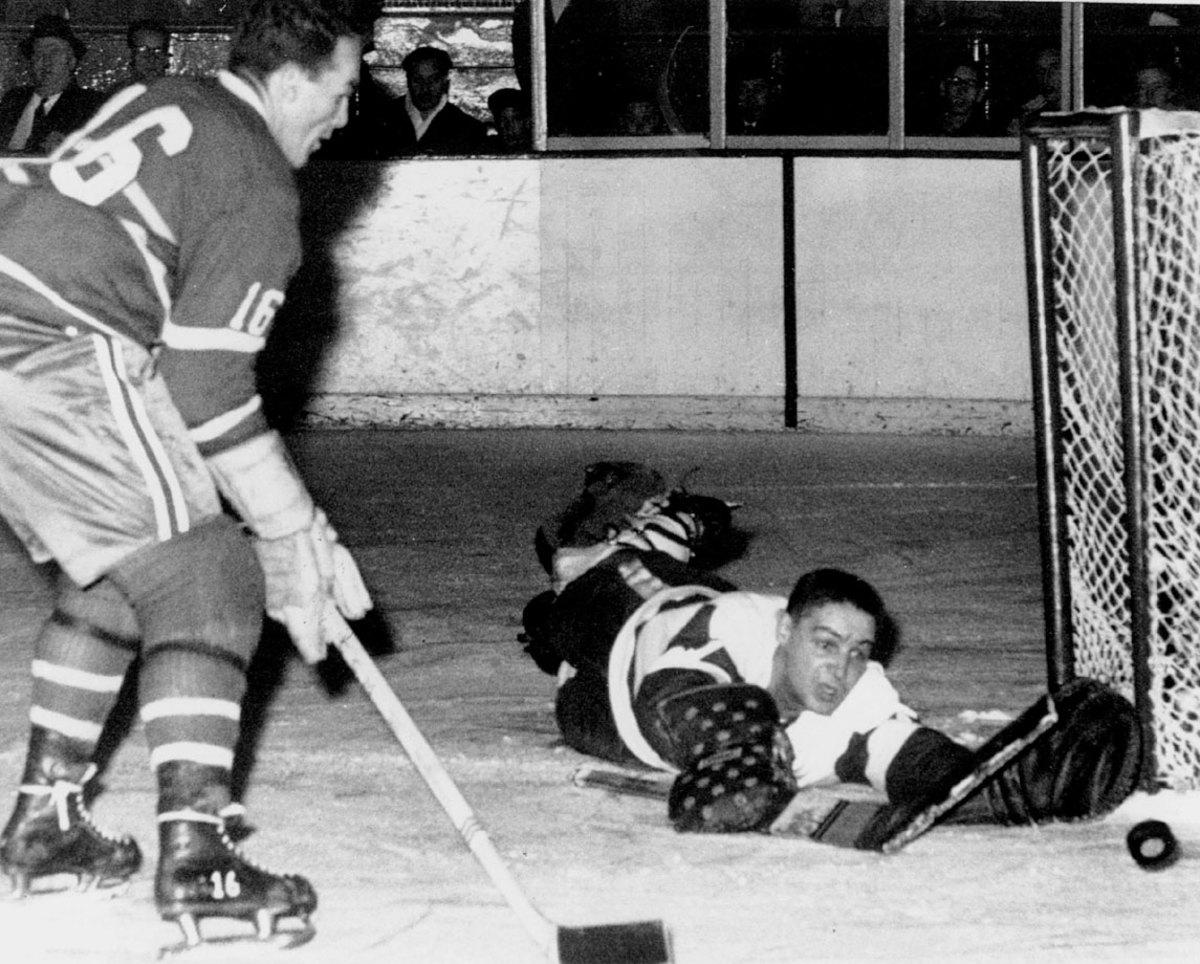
{"x":304,"y":566}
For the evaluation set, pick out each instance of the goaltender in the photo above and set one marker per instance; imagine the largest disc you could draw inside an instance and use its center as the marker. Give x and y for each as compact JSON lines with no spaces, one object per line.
{"x":751,"y":697}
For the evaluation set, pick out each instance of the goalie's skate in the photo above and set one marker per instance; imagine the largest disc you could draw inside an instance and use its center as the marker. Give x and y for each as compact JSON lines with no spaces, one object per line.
{"x":51,"y":834}
{"x":202,"y":875}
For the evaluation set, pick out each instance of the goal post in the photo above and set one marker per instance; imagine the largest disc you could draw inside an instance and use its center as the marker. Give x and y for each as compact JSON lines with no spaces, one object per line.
{"x":1112,"y":226}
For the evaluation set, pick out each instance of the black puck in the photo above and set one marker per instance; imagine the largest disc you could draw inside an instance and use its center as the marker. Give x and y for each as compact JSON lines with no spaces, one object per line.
{"x":1152,"y":845}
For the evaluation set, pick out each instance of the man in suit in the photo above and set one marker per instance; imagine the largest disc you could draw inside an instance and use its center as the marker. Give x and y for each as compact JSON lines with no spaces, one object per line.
{"x":428,"y":122}
{"x":36,"y":118}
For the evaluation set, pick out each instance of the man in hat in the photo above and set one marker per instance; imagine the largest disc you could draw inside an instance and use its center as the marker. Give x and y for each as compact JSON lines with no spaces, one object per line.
{"x":36,"y":118}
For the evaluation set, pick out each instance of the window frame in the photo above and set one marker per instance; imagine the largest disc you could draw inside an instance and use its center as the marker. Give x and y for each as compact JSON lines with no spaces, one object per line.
{"x":895,"y":140}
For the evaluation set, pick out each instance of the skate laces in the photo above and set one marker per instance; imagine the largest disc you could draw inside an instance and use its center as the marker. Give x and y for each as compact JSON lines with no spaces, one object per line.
{"x":60,"y":793}
{"x":230,"y":810}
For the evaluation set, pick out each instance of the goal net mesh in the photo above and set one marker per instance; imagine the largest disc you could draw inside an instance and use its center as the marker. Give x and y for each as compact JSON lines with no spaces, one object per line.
{"x":1080,"y":191}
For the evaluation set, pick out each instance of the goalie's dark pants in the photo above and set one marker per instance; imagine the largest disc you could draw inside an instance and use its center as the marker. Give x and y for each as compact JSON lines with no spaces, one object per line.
{"x":581,"y":624}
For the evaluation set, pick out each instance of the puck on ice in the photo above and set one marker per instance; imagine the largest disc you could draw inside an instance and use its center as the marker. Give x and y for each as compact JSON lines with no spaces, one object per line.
{"x":1152,"y":845}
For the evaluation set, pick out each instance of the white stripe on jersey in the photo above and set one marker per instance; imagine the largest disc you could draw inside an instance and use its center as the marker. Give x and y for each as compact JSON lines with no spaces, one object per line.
{"x":110,"y":107}
{"x":190,"y":706}
{"x":216,"y":427}
{"x":30,"y":280}
{"x":183,"y":338}
{"x":205,"y":753}
{"x":155,"y":268}
{"x":75,"y":678}
{"x":242,"y":90}
{"x":13,"y":172}
{"x":142,"y":441}
{"x":66,"y":725}
{"x":141,"y":202}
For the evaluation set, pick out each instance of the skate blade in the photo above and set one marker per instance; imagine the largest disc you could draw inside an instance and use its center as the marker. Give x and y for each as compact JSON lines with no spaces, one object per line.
{"x":67,"y":886}
{"x":234,"y":948}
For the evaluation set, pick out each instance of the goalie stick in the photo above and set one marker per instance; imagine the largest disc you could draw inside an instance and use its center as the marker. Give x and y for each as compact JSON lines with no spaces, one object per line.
{"x":850,"y":815}
{"x":638,"y":942}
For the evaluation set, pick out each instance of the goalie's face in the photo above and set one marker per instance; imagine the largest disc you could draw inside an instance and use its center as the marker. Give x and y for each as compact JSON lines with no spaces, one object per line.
{"x":821,"y":655}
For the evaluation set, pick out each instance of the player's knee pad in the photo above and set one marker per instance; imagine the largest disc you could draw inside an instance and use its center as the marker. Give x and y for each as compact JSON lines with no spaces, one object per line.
{"x":201,"y":590}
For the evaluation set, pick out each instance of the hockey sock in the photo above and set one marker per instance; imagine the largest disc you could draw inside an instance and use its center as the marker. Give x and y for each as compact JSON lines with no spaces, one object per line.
{"x":80,"y":661}
{"x":199,"y":598}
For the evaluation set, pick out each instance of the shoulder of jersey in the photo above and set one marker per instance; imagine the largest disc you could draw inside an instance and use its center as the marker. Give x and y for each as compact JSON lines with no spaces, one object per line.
{"x":734,"y":609}
{"x":221,"y":122}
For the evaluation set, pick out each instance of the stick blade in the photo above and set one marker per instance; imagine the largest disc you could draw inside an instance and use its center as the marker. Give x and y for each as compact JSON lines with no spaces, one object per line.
{"x":640,"y":942}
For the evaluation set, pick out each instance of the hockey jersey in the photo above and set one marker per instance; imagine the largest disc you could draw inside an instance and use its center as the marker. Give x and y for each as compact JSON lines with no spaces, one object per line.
{"x":732,"y":638}
{"x":170,"y":219}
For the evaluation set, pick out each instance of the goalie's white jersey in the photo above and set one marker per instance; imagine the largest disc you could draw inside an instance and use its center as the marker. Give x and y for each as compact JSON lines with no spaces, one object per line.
{"x":732,"y":637}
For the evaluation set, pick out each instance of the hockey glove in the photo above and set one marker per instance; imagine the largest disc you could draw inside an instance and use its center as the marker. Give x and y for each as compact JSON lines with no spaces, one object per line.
{"x":304,"y":566}
{"x":737,"y":772}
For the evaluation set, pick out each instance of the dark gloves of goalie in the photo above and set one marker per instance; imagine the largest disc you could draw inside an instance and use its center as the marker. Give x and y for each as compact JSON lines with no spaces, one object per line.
{"x":735,"y":764}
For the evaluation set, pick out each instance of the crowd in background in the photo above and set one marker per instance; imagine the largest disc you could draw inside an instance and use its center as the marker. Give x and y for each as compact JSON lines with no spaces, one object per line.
{"x":617,"y":68}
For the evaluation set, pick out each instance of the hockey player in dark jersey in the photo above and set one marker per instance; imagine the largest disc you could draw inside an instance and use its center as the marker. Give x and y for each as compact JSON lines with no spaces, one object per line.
{"x":749,"y":698}
{"x":141,"y":266}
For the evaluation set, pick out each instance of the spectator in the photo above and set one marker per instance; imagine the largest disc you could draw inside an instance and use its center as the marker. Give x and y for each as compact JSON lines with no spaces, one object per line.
{"x":428,"y":122}
{"x":1047,"y":78}
{"x":149,"y":51}
{"x":638,"y":115}
{"x":756,"y":108}
{"x":510,"y":115}
{"x":1156,"y":84}
{"x":960,"y":110}
{"x":36,"y":118}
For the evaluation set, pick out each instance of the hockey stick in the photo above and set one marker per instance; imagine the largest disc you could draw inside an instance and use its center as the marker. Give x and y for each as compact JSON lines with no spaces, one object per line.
{"x":654,"y":784}
{"x":638,"y":942}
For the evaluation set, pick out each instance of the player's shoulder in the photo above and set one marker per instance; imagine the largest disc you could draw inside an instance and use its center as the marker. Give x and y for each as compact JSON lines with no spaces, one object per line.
{"x":220,"y":103}
{"x":741,"y":607}
{"x":221,"y":112}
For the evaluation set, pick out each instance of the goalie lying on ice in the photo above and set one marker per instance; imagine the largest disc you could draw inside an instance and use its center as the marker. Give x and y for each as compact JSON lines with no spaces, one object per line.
{"x":749,"y":697}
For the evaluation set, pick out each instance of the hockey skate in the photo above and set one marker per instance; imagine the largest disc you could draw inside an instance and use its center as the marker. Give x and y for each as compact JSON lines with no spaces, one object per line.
{"x":51,"y":833}
{"x":202,"y":875}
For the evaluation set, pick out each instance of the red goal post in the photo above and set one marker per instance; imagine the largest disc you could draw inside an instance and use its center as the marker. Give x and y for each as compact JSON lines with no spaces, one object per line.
{"x":1112,"y":220}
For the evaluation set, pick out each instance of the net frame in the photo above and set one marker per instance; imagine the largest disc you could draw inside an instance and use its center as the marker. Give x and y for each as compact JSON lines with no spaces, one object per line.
{"x":1112,"y":221}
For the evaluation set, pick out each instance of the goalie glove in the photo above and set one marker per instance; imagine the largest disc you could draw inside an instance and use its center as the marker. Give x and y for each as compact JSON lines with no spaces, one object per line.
{"x":304,"y":565}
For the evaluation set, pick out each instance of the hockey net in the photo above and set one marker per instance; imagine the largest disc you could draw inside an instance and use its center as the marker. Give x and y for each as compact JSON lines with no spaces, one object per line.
{"x":1113,"y":202}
